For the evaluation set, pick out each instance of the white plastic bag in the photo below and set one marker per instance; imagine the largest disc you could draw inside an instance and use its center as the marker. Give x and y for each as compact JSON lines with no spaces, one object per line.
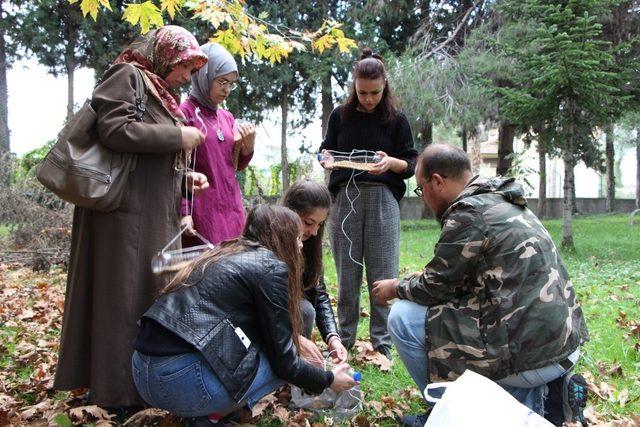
{"x":474,"y":400}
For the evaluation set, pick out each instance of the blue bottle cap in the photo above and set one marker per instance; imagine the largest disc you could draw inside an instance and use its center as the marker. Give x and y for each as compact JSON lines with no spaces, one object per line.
{"x":320,"y":157}
{"x":357,"y":376}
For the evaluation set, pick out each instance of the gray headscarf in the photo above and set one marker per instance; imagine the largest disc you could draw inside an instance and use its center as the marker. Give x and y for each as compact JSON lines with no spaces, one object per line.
{"x":220,"y":63}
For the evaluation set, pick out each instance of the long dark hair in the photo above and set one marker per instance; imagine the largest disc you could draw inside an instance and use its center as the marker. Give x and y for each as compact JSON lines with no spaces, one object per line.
{"x":370,"y":66}
{"x":276,"y":228}
{"x":304,"y":197}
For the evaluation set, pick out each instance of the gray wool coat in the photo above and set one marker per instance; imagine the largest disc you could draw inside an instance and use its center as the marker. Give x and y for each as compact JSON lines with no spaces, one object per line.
{"x":110,"y":283}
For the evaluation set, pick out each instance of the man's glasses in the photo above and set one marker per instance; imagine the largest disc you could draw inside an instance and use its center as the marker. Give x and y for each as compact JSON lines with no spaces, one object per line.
{"x":225,"y":84}
{"x":418,"y":190}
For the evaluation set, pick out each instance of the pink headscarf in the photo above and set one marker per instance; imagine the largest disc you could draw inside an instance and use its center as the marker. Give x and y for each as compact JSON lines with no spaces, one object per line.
{"x":157,"y":53}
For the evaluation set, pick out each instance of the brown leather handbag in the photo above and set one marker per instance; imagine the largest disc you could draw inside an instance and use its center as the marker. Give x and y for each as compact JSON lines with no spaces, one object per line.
{"x":80,"y":169}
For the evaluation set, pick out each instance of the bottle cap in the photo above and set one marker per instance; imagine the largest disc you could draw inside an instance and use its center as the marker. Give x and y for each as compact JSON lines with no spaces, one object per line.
{"x":357,"y":376}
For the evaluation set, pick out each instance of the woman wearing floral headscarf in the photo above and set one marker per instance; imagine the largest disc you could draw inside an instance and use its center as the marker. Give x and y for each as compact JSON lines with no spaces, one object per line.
{"x":218,"y":213}
{"x":110,"y":283}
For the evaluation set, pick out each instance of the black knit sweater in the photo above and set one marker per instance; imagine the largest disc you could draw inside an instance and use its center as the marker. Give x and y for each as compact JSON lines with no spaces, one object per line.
{"x":365,"y":131}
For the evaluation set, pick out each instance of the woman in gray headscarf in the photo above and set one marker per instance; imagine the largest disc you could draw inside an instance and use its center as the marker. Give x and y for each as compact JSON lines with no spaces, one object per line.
{"x":217,"y":214}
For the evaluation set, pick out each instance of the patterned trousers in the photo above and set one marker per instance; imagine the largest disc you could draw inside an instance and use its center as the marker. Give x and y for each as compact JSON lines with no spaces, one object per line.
{"x":370,"y":236}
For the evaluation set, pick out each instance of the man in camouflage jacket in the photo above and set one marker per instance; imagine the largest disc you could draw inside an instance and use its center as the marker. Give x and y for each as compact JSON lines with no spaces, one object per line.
{"x":496,"y":297}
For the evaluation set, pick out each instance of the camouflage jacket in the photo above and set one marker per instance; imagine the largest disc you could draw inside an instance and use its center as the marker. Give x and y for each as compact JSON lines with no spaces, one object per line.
{"x":500,"y":300}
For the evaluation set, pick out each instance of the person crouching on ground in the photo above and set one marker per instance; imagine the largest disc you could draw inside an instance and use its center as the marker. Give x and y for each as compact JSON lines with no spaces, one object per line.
{"x":496,"y":297}
{"x":224,"y":333}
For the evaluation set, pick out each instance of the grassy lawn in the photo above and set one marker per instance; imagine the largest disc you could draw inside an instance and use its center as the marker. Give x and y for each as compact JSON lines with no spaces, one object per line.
{"x":605,"y":270}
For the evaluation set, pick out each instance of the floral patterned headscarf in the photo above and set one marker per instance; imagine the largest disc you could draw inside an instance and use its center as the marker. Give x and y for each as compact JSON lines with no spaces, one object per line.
{"x":157,"y":53}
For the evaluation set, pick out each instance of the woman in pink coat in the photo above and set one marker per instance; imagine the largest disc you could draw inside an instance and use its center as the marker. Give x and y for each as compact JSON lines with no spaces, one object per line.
{"x":218,"y":213}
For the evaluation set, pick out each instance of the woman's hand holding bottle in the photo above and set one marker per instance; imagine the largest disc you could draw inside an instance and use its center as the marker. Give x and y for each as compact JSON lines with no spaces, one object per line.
{"x":343,"y":378}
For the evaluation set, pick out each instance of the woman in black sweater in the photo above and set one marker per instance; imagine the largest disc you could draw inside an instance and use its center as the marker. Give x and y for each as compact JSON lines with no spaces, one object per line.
{"x":365,"y":220}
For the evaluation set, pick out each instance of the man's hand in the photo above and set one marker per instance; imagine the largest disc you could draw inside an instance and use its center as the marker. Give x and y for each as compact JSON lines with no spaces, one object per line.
{"x":197,"y":182}
{"x":310,"y":352}
{"x":385,"y":290}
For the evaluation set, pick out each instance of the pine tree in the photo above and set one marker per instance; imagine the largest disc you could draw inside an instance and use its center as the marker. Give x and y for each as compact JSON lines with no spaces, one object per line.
{"x":564,"y":80}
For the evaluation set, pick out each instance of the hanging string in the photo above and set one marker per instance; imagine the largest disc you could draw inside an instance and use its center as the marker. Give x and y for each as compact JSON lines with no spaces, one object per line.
{"x":354,"y":159}
{"x":172,"y":260}
{"x":351,"y":210}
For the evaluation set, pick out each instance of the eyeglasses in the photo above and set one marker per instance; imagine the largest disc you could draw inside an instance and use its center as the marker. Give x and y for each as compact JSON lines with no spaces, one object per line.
{"x":226,"y":84}
{"x":418,"y":190}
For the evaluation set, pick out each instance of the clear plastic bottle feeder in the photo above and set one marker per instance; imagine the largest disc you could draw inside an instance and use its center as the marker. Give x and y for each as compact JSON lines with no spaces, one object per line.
{"x":363,"y":160}
{"x":340,"y":406}
{"x":175,"y":260}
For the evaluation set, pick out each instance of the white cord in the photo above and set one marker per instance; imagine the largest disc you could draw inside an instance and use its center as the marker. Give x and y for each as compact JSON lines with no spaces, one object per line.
{"x":351,"y":204}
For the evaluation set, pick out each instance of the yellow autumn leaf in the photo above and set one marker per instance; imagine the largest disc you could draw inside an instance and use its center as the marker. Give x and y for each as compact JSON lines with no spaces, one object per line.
{"x":346,"y":44}
{"x":147,"y":14}
{"x":171,"y":6}
{"x":91,"y":7}
{"x":337,"y":33}
{"x":323,"y":43}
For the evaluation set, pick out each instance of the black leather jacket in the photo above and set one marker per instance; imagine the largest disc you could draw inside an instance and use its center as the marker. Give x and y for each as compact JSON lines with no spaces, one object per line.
{"x":246,"y":291}
{"x":325,"y":320}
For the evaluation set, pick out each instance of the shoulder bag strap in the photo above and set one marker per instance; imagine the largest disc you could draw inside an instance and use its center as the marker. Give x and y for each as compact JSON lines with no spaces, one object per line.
{"x":141,"y":95}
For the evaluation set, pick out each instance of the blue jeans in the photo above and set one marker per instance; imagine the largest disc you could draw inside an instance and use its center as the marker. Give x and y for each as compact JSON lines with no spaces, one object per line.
{"x":186,"y":385}
{"x":407,"y":329}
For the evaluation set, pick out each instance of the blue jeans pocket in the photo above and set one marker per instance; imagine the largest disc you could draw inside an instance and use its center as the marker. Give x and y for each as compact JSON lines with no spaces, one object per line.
{"x":183,"y":392}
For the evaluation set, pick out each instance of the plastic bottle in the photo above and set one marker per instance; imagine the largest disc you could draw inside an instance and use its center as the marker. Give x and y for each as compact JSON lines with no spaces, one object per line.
{"x":349,"y":402}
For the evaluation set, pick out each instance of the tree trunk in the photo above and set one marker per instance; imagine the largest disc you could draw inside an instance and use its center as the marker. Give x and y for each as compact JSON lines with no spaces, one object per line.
{"x":638,"y":168}
{"x":327,"y":101}
{"x":567,"y":206}
{"x":426,"y":138}
{"x":610,"y":168}
{"x":541,"y":209}
{"x":464,"y":138}
{"x":5,"y":145}
{"x":476,"y":155}
{"x":71,"y":67}
{"x":284,"y":162}
{"x":426,"y":135}
{"x":505,"y":148}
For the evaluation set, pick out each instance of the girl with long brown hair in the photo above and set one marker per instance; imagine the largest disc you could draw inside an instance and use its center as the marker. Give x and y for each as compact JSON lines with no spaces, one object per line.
{"x":224,"y":333}
{"x":311,"y":201}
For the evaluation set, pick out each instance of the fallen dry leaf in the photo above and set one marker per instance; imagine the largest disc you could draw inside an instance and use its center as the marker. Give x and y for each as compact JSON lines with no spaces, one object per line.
{"x":281,"y":413}
{"x":366,"y":355}
{"x":361,"y":421}
{"x":148,"y":417}
{"x":89,"y":414}
{"x":262,"y":405}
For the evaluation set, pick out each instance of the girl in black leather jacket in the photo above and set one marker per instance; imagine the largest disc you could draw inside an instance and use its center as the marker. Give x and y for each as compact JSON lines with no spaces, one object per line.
{"x":225,"y":332}
{"x":312,"y":201}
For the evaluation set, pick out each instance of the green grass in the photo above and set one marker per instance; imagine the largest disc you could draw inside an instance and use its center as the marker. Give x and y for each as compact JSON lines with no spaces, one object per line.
{"x":5,"y":230}
{"x":605,"y":270}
